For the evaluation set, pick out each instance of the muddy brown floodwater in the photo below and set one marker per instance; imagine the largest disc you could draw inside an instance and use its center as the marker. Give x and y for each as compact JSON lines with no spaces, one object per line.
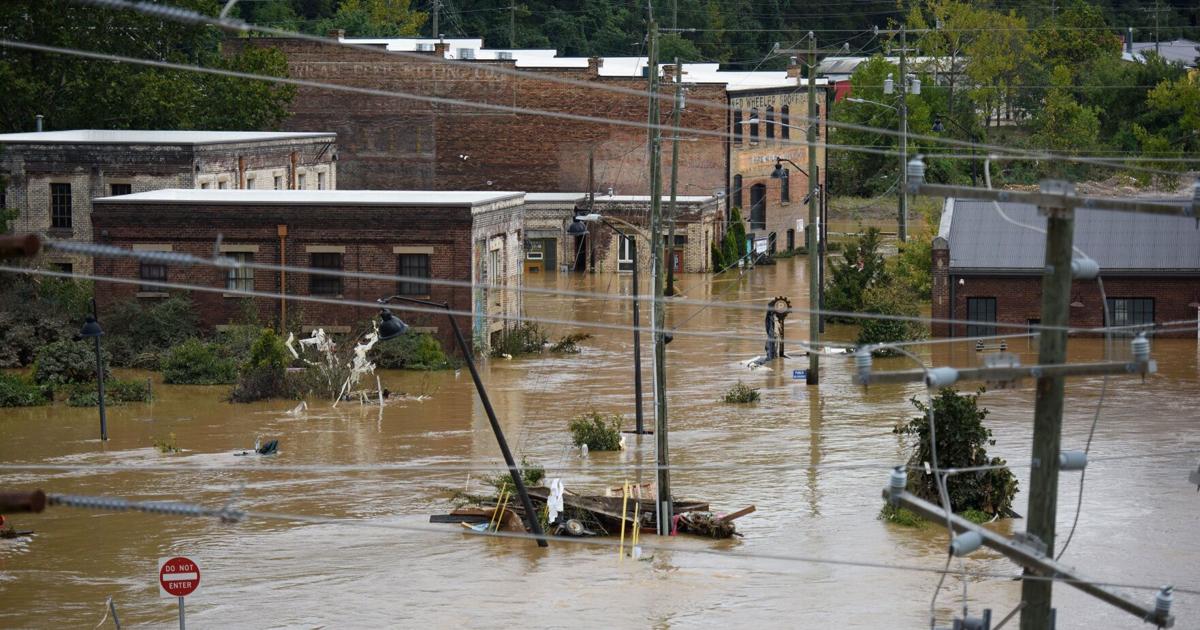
{"x":1139,"y":524}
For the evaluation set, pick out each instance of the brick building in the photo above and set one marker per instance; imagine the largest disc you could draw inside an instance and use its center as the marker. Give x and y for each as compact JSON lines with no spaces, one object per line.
{"x":53,"y":176}
{"x":988,"y":270}
{"x":465,"y":236}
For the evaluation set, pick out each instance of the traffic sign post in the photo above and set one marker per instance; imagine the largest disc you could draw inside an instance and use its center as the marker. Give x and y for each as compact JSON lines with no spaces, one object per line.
{"x":178,"y":577}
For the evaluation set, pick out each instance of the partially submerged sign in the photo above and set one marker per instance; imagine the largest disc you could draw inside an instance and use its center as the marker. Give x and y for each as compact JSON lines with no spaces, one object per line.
{"x":178,"y":576}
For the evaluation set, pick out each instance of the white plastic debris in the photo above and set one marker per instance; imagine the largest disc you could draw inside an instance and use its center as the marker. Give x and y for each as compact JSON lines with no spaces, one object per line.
{"x":583,"y":451}
{"x":554,"y":502}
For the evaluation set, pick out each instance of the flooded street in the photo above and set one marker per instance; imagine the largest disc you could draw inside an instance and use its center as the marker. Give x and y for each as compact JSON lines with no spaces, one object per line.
{"x":813,"y":460}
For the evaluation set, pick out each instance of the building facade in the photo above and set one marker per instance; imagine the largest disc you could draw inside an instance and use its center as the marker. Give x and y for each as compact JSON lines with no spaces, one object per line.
{"x":53,"y":176}
{"x":768,"y":123}
{"x":473,"y":238}
{"x":989,"y":271}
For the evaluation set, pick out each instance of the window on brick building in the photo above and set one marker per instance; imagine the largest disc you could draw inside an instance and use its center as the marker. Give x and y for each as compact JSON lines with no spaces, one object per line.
{"x":785,"y":119}
{"x":249,"y":183}
{"x":120,"y":189}
{"x":153,"y":272}
{"x":785,"y":187}
{"x":772,"y":243}
{"x":758,"y":207}
{"x":60,"y":206}
{"x":278,"y":182}
{"x":754,"y":125}
{"x":981,"y":309}
{"x":737,"y":127}
{"x":321,"y":284}
{"x":1130,"y":312}
{"x":62,"y":267}
{"x":737,"y":191}
{"x":412,"y":266}
{"x":222,"y":185}
{"x":240,"y":278}
{"x":300,"y":181}
{"x":791,"y":239}
{"x":204,"y":185}
{"x":770,"y":123}
{"x":320,"y":181}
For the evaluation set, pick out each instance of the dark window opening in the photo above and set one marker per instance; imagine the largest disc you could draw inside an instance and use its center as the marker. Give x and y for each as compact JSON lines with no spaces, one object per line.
{"x":120,"y":189}
{"x":62,"y":267}
{"x":758,"y":207}
{"x":413,"y":266}
{"x":240,"y":278}
{"x":981,"y":309}
{"x":772,"y":245}
{"x":785,"y":188}
{"x":754,"y":125}
{"x":791,"y":239}
{"x":1130,"y":312}
{"x":322,"y":284}
{"x":737,"y":127}
{"x":60,"y":206}
{"x":785,"y":119}
{"x":152,"y":272}
{"x":737,"y":192}
{"x":771,"y":122}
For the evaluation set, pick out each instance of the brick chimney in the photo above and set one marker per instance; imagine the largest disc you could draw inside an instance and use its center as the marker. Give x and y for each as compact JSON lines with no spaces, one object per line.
{"x":793,"y":69}
{"x":594,"y":65}
{"x":440,"y":49}
{"x":336,"y":33}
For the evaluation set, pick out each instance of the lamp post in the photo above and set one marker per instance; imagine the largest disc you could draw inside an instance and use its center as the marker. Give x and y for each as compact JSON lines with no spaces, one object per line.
{"x":578,"y":228}
{"x":391,"y":327}
{"x":91,"y":328}
{"x":815,"y":262}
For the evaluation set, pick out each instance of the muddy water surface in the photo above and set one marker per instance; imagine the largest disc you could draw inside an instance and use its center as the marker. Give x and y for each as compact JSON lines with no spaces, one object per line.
{"x":1140,"y":522}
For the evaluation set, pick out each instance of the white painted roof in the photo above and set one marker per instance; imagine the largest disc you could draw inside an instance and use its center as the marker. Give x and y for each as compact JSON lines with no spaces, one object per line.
{"x":646,"y":198}
{"x":555,"y":197}
{"x":319,"y":197}
{"x":141,"y":136}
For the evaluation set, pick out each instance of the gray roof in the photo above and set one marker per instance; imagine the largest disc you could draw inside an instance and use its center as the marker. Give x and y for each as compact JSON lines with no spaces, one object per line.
{"x":981,"y":240}
{"x":420,"y":198}
{"x":146,"y":136}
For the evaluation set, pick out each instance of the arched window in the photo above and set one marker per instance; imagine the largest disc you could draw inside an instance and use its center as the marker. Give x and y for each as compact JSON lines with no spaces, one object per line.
{"x":785,"y":119}
{"x":770,"y":123}
{"x":737,"y":191}
{"x":754,"y":125}
{"x":737,"y":127}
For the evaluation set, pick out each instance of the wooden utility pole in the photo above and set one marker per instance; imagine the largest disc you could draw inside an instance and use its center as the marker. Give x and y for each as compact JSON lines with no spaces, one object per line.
{"x":658,"y":316}
{"x":436,"y":7}
{"x":512,"y":23}
{"x":674,"y":177}
{"x":1047,"y":415}
{"x":903,"y":213}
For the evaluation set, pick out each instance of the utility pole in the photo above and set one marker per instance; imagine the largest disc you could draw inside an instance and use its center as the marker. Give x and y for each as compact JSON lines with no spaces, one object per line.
{"x":436,"y":7}
{"x":674,"y":177}
{"x":663,"y":499}
{"x":512,"y":23}
{"x":1047,"y":414}
{"x":813,"y":229}
{"x":675,"y":16}
{"x":903,"y":218}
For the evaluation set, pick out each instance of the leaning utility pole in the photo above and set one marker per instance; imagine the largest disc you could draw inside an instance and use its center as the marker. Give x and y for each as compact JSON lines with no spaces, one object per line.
{"x":674,"y":177}
{"x":663,"y":498}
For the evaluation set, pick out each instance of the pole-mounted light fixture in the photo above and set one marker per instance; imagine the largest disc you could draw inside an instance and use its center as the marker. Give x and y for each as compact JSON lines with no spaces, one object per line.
{"x":91,"y":330}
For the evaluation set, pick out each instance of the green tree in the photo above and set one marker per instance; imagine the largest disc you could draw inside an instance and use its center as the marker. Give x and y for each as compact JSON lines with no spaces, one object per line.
{"x":860,"y":267}
{"x":1074,"y":38}
{"x":78,"y":93}
{"x":962,"y":441}
{"x":376,"y":18}
{"x":1064,"y":124}
{"x":892,"y":298}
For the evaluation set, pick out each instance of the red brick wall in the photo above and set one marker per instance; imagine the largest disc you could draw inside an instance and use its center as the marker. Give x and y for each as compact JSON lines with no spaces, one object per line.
{"x":390,"y":143}
{"x":368,"y":234}
{"x":1019,"y":299}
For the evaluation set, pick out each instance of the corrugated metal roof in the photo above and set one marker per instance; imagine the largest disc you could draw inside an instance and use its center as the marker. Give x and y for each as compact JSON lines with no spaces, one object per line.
{"x":980,"y":239}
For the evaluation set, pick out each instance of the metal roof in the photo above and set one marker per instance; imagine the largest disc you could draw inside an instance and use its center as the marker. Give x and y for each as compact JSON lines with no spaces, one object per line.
{"x":982,"y":240}
{"x":144,"y":136}
{"x":422,"y":198}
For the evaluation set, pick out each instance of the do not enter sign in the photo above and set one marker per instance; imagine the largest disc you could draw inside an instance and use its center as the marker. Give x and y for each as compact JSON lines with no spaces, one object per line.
{"x":178,"y":576}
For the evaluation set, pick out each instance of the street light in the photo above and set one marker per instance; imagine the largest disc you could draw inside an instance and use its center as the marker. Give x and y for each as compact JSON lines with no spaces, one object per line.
{"x":391,"y":327}
{"x":578,"y":228}
{"x":91,"y":328}
{"x":912,"y":85}
{"x":816,"y":264}
{"x":863,"y":100}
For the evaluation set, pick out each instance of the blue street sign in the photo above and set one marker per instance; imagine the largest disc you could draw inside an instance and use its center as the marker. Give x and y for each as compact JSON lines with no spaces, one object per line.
{"x":799,"y":374}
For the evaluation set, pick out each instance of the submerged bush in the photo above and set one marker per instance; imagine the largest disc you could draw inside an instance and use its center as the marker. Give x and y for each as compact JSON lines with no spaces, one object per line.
{"x":598,"y":431}
{"x":569,"y":344}
{"x":420,"y":351}
{"x":531,"y":474}
{"x":741,"y":393}
{"x":38,"y":311}
{"x":16,"y":391}
{"x":197,"y":363}
{"x":116,"y":392}
{"x":64,"y":362}
{"x":524,"y":338}
{"x":264,"y":373}
{"x":140,"y":335}
{"x":901,"y":516}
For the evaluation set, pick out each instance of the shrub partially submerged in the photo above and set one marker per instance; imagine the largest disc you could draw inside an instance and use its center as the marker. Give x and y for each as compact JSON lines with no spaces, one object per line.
{"x":197,"y":363}
{"x":524,"y":338}
{"x":116,"y":392}
{"x":569,"y":344}
{"x":420,"y":351}
{"x":65,"y":362}
{"x":16,"y":391}
{"x":741,"y":393}
{"x":598,"y":431}
{"x":531,"y":474}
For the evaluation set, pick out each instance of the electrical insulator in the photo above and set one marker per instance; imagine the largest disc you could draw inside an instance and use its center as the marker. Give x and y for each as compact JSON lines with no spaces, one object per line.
{"x":941,"y":377}
{"x":1084,"y":269}
{"x":965,"y":543}
{"x":1141,"y":348}
{"x":914,"y":85}
{"x":916,"y":171}
{"x":862,"y":361}
{"x":889,"y":86}
{"x":1072,"y":460}
{"x":1162,"y":601}
{"x":897,"y":482}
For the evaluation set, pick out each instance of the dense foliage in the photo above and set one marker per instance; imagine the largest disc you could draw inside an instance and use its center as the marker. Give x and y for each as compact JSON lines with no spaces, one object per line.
{"x":414,"y":351}
{"x":17,"y":391}
{"x":67,"y":361}
{"x":140,"y":334}
{"x":195,"y":362}
{"x":860,"y":267}
{"x":264,"y":373}
{"x":37,"y":311}
{"x":740,"y":393}
{"x":76,"y":93}
{"x":599,"y":431}
{"x":962,"y":441}
{"x":116,"y":392}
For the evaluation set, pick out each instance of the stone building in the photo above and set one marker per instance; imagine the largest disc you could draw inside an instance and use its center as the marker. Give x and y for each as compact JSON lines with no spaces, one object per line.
{"x":989,"y":271}
{"x":53,"y":176}
{"x":468,"y":237}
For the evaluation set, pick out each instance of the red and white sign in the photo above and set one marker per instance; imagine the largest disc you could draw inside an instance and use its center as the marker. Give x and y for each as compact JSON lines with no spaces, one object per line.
{"x":178,"y":576}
